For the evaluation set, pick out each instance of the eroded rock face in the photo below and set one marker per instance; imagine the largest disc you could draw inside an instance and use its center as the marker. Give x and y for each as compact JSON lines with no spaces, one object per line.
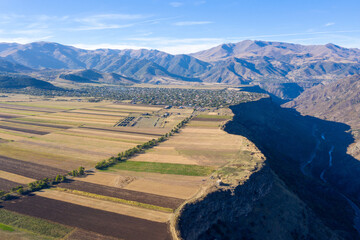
{"x":223,"y":206}
{"x":281,"y":200}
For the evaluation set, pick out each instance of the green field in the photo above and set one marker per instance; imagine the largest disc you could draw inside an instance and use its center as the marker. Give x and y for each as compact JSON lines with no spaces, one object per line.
{"x":6,"y":228}
{"x":32,"y":224}
{"x":164,"y":168}
{"x":214,"y":116}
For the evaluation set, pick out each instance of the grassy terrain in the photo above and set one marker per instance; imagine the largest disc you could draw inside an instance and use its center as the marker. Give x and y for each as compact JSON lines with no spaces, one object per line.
{"x":32,"y":224}
{"x":164,"y":168}
{"x":214,"y":116}
{"x":6,"y":228}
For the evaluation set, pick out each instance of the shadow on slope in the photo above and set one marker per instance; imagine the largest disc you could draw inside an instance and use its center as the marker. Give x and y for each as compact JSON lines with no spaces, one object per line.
{"x":297,"y":148}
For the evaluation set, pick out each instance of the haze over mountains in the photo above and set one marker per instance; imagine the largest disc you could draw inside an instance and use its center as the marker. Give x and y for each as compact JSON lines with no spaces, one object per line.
{"x":283,"y":69}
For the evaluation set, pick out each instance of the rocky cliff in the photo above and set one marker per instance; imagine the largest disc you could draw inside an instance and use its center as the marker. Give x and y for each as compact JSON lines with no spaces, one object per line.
{"x":281,"y":199}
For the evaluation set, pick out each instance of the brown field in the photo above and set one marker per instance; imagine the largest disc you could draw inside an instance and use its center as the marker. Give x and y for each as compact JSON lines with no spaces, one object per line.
{"x":108,"y":206}
{"x":27,"y":169}
{"x":168,"y":202}
{"x":6,"y":185}
{"x":90,"y":219}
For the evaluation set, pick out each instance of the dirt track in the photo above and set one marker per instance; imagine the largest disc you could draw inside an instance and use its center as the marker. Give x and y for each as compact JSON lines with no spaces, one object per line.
{"x":28,"y":169}
{"x":142,"y":197}
{"x":102,"y":222}
{"x":39,"y":124}
{"x":8,"y":116}
{"x":26,"y":108}
{"x":209,"y":119}
{"x":24,"y":130}
{"x":118,"y":130}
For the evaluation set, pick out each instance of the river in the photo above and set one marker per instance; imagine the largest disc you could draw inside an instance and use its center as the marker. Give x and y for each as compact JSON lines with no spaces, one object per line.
{"x":322,"y":177}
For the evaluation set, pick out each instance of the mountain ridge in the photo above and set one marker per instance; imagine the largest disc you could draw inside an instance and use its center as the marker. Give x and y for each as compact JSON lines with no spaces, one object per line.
{"x":248,"y":62}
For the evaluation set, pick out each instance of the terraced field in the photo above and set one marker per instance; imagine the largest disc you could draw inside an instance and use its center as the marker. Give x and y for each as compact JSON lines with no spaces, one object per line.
{"x":131,"y":200}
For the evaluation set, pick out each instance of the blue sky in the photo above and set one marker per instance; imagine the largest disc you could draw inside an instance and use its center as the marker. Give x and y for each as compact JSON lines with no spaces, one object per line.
{"x":180,"y":26}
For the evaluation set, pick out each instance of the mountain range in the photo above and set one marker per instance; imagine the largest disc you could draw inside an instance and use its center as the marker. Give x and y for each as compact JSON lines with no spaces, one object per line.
{"x":283,"y":69}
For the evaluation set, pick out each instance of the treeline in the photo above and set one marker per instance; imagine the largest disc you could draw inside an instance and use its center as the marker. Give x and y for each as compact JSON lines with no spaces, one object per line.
{"x":39,"y":184}
{"x":123,"y":156}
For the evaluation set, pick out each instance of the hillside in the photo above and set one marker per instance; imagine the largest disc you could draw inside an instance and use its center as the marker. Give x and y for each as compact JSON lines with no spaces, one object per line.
{"x":338,"y":101}
{"x":6,"y":66}
{"x":16,"y":82}
{"x":94,"y":76}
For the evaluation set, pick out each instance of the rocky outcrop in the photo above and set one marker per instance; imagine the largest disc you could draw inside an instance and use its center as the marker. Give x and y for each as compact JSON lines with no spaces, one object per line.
{"x":223,"y":206}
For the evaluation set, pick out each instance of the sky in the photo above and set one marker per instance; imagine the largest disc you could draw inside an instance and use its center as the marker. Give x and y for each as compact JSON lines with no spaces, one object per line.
{"x":180,"y":26}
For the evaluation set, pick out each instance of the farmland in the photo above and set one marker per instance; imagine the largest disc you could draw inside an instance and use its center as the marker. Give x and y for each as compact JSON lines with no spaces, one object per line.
{"x":41,"y":138}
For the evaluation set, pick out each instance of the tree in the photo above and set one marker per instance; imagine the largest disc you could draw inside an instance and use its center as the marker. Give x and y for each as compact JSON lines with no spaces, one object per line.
{"x":82,"y":170}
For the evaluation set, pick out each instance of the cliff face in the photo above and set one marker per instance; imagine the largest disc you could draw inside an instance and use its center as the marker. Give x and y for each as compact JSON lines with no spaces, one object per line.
{"x":212,"y":216}
{"x":285,"y":198}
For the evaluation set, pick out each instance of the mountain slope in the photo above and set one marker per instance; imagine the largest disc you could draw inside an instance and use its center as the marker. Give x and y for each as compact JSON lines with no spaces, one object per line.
{"x":16,"y":82}
{"x":337,"y":101}
{"x":6,"y":66}
{"x":94,"y":76}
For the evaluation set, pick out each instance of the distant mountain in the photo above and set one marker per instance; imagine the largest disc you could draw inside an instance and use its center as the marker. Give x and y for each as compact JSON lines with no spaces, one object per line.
{"x":137,"y":64}
{"x":17,"y":82}
{"x":267,"y":64}
{"x":285,"y":52}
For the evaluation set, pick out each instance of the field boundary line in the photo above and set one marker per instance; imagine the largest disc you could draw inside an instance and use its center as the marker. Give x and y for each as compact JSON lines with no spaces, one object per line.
{"x":117,"y":200}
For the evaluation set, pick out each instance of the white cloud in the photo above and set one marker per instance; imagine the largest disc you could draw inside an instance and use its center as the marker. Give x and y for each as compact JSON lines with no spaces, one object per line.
{"x":107,"y":46}
{"x":187,"y":48}
{"x":197,"y":3}
{"x":106,"y":21}
{"x":24,"y":40}
{"x":104,"y":17}
{"x":329,"y":24}
{"x":191,"y":23}
{"x":176,"y":4}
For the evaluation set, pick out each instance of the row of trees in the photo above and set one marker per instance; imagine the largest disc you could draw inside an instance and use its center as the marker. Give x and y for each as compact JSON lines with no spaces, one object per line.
{"x":123,"y":156}
{"x":39,"y":184}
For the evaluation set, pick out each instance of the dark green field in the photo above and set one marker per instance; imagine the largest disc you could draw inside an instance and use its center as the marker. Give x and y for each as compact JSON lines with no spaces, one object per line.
{"x":164,"y":168}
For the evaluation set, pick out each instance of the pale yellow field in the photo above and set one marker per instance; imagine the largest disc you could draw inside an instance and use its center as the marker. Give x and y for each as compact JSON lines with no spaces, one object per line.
{"x":197,"y":146}
{"x":159,"y":188}
{"x":108,"y":179}
{"x":44,"y":158}
{"x":115,"y":136}
{"x":119,"y":208}
{"x":15,"y":178}
{"x":132,"y":107}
